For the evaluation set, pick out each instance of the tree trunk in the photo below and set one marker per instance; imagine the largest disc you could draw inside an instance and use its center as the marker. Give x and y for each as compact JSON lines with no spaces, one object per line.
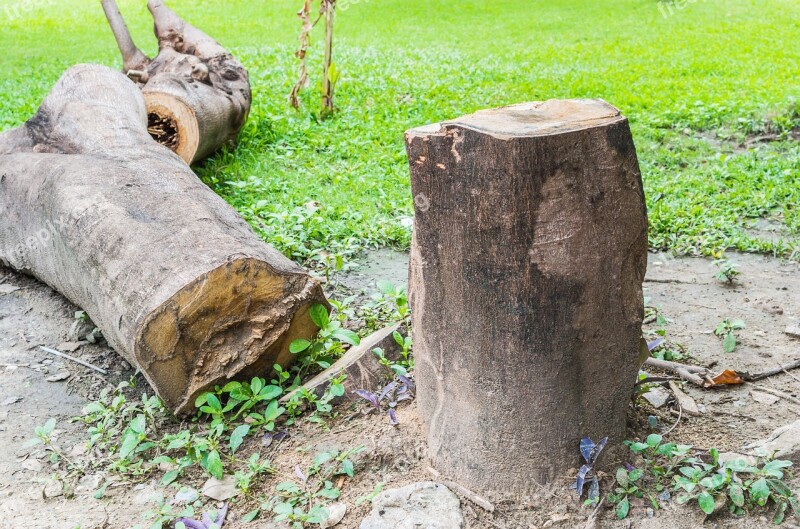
{"x":527,"y":262}
{"x":197,"y":93}
{"x":176,"y":280}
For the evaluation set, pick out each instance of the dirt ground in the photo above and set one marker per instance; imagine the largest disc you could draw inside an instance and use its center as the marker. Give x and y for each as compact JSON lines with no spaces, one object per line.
{"x":682,"y":289}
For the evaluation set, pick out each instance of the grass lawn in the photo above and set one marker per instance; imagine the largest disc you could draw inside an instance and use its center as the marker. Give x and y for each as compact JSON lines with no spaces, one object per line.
{"x":695,"y":84}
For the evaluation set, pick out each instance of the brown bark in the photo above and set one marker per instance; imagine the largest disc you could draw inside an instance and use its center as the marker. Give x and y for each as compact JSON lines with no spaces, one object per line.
{"x":173,"y":276}
{"x":197,"y":94}
{"x":527,"y":261}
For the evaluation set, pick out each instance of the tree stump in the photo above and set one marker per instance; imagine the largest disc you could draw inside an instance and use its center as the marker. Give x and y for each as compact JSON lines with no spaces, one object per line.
{"x":120,"y":225}
{"x":528,"y":255}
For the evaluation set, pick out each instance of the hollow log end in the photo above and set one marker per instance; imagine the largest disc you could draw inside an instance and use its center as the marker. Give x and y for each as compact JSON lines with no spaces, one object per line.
{"x":173,"y":123}
{"x":234,"y":322}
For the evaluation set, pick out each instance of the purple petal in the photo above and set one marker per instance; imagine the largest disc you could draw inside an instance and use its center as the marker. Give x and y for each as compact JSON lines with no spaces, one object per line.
{"x":655,"y":343}
{"x":629,"y":467}
{"x":407,"y":382}
{"x":393,"y":417}
{"x":597,"y":449}
{"x":299,"y":474}
{"x":221,"y":514}
{"x":281,"y":435}
{"x":581,"y":481}
{"x":370,"y":397}
{"x":587,"y":445}
{"x":386,"y":390}
{"x":269,"y":438}
{"x":207,"y":521}
{"x":594,"y":490}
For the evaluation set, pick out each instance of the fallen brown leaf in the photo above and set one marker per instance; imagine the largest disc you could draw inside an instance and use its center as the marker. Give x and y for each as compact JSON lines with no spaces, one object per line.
{"x":726,"y":378}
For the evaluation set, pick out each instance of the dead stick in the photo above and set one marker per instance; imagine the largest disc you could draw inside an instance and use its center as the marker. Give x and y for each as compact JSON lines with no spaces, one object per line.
{"x":791,"y":375}
{"x":591,"y":521}
{"x":777,"y":393}
{"x":680,"y":415}
{"x":670,"y":281}
{"x":484,"y":504}
{"x":76,"y":360}
{"x":471,"y":496}
{"x":132,"y":57}
{"x":685,"y":371}
{"x":772,"y":372}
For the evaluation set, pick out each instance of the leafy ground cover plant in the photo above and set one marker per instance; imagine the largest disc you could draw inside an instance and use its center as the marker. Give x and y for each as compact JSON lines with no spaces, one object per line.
{"x":675,"y":472}
{"x":727,"y":331}
{"x":302,"y":498}
{"x":727,"y":271}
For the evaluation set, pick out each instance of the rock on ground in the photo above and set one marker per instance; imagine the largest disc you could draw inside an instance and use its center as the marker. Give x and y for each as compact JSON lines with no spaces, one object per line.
{"x":782,"y":443}
{"x":425,"y":504}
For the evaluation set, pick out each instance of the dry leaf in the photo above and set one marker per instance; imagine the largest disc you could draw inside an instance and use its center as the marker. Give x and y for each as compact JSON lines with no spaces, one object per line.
{"x":220,"y":489}
{"x":726,"y":378}
{"x":336,"y":512}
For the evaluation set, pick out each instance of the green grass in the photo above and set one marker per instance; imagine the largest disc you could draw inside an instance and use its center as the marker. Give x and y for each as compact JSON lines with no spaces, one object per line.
{"x":693,"y":84}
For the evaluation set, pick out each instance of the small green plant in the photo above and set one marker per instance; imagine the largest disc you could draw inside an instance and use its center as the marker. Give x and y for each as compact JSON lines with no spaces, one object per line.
{"x":405,"y":362}
{"x":319,"y":352}
{"x":165,"y":515}
{"x":389,"y":305}
{"x":668,"y":469}
{"x":727,"y":270}
{"x":255,"y":467}
{"x":668,"y":350}
{"x":727,"y":331}
{"x":302,"y":500}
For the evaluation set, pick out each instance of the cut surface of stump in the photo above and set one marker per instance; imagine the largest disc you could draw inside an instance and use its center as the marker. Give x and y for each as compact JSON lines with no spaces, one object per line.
{"x":528,"y":255}
{"x":177,"y":281}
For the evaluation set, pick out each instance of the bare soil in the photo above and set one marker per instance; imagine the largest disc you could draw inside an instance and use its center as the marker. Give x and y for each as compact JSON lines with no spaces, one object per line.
{"x":683,"y":290}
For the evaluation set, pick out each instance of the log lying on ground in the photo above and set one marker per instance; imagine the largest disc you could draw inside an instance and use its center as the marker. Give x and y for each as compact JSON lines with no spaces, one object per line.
{"x":527,"y":260}
{"x":173,"y":276}
{"x":197,"y":93}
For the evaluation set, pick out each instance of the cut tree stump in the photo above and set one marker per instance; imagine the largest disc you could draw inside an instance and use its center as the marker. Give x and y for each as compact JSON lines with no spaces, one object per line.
{"x":173,"y":276}
{"x":528,"y":255}
{"x":197,"y":94}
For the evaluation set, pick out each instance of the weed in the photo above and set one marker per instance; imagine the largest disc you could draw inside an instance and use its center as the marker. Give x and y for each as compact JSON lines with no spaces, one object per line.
{"x":325,"y":347}
{"x":727,"y":331}
{"x":302,"y":499}
{"x":727,"y":270}
{"x":669,"y":469}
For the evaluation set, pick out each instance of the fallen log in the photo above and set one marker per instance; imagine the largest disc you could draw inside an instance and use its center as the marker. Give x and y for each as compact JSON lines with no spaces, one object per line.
{"x":197,"y":93}
{"x":173,"y":276}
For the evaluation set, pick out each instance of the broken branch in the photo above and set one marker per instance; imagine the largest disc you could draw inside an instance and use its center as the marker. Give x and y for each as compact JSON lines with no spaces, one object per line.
{"x":132,"y":57}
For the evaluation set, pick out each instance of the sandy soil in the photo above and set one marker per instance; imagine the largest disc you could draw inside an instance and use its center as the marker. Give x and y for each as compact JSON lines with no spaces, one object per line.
{"x":683,"y":290}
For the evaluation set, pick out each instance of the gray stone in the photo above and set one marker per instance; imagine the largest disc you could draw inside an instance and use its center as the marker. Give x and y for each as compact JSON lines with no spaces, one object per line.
{"x":425,"y":504}
{"x":793,"y":330}
{"x":657,"y":397}
{"x":726,"y":457}
{"x":782,"y":443}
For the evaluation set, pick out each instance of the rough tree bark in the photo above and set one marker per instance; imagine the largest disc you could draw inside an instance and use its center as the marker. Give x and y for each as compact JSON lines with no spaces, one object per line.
{"x":528,"y":256}
{"x":176,"y":280}
{"x":197,"y":93}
